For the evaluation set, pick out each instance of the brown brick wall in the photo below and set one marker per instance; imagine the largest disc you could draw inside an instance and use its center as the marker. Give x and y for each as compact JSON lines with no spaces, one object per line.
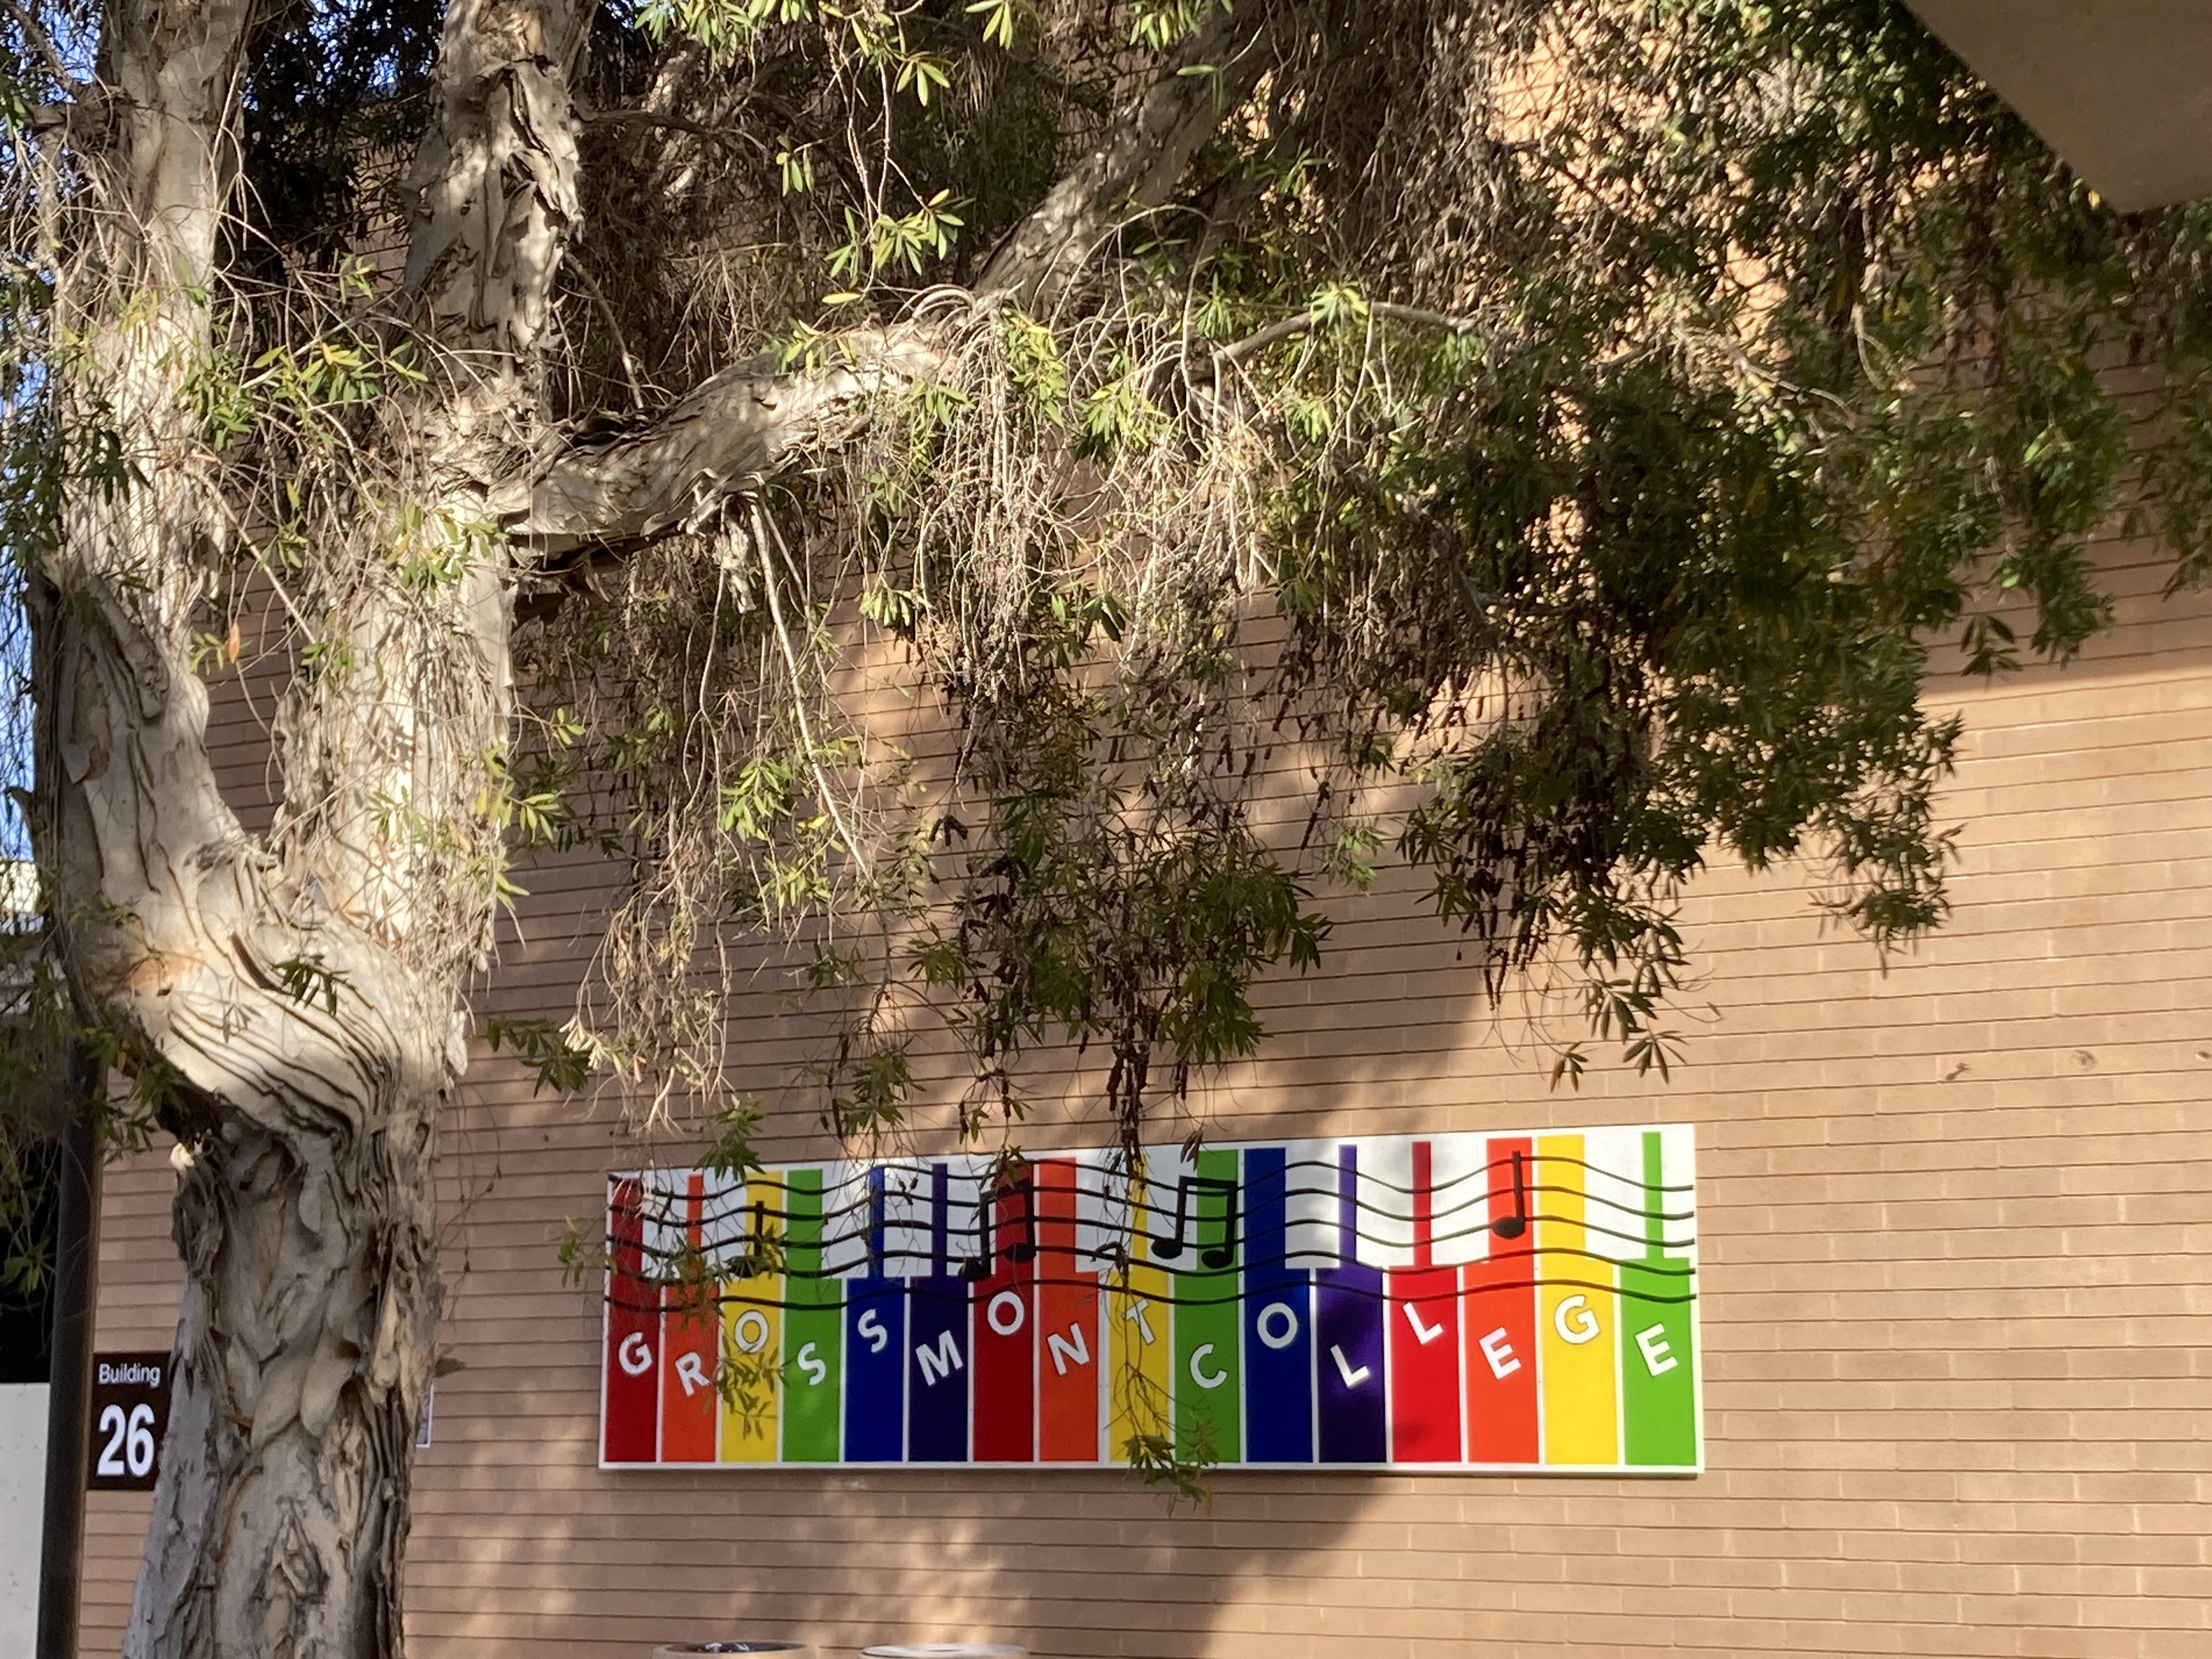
{"x":1957,"y":1242}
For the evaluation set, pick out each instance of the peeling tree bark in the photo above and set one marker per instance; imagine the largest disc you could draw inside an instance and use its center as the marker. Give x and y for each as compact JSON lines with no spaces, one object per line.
{"x":735,"y":431}
{"x":725,"y":439}
{"x":299,"y":1034}
{"x":739,"y":428}
{"x":1139,"y":165}
{"x":292,"y":1002}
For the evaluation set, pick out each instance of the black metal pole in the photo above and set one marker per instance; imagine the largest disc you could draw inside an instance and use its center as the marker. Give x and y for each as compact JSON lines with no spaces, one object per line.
{"x":69,"y":1397}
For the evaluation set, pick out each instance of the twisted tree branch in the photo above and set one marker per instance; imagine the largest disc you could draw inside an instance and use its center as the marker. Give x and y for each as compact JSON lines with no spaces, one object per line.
{"x":735,"y":430}
{"x":723,"y":439}
{"x":1137,"y":168}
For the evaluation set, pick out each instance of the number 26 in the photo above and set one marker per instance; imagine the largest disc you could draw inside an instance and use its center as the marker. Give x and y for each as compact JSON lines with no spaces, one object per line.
{"x":129,"y":1441}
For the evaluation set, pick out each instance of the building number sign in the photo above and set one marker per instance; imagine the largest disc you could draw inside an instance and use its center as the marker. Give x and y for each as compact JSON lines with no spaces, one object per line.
{"x":130,"y":1414}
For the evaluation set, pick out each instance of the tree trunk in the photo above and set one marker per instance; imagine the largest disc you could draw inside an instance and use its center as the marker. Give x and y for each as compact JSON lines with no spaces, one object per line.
{"x":304,"y":1220}
{"x":293,"y":1007}
{"x":303,"y":1352}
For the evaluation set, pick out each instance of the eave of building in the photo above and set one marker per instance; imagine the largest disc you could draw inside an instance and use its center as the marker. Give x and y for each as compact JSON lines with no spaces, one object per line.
{"x":2121,"y":89}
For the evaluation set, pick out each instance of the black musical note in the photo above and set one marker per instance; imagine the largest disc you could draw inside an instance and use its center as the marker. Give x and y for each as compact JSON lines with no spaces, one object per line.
{"x":1024,"y":1248}
{"x":1513,"y":1226}
{"x":1211,"y":1256}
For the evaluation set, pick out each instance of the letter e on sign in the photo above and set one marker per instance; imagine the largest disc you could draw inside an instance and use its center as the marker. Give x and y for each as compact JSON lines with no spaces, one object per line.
{"x":130,"y":1414}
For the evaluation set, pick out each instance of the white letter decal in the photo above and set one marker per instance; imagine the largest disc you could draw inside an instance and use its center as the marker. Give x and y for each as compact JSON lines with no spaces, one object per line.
{"x":940,"y":1362}
{"x":812,"y":1365}
{"x":1062,"y":1350}
{"x":1499,"y":1352}
{"x":1424,"y":1333}
{"x":1277,"y":1333}
{"x":1203,"y":1380}
{"x":872,"y":1328}
{"x":636,"y":1354}
{"x":1137,"y":1312}
{"x":1657,"y":1358}
{"x":692,"y":1372}
{"x":1010,"y":1301}
{"x":1585,"y":1321}
{"x":1352,"y":1378}
{"x":750,"y":1331}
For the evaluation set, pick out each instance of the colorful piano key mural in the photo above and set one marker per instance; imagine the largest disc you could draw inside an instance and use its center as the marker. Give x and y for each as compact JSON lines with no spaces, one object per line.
{"x":1467,"y":1302}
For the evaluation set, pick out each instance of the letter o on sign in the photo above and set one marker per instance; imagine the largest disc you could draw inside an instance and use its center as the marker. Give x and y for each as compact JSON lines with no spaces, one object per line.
{"x":1277,"y":1325}
{"x":752,"y":1330}
{"x":1006,"y":1312}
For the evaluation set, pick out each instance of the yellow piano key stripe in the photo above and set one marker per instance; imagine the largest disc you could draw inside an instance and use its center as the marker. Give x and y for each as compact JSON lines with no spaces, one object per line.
{"x":1578,"y":1338}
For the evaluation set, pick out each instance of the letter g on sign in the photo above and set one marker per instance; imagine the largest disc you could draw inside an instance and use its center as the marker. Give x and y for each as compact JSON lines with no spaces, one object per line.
{"x":1574,"y":1321}
{"x":636,"y":1354}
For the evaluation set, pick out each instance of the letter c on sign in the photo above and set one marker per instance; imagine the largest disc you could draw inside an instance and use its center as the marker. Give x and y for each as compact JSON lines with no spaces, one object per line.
{"x":1204,"y":1379}
{"x":636,"y":1354}
{"x":1010,"y":1301}
{"x":1585,"y":1321}
{"x":1277,"y":1333}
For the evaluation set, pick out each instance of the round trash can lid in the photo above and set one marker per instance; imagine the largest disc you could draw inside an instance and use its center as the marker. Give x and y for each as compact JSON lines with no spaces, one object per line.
{"x":944,"y":1650}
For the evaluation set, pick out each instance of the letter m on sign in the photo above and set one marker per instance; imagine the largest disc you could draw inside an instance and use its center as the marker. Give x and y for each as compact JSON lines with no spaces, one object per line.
{"x":939,"y":1361}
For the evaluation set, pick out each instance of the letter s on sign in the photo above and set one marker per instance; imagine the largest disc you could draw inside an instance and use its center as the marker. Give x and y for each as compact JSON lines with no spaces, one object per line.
{"x":636,"y":1354}
{"x":872,"y":1328}
{"x":811,"y":1362}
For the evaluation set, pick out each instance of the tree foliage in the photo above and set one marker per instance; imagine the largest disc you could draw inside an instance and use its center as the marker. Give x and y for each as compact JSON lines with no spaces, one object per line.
{"x":1021,"y":499}
{"x":1565,"y":430}
{"x":1568,"y":429}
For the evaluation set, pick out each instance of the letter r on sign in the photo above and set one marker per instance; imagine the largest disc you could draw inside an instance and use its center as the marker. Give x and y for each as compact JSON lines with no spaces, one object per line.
{"x":692,"y":1372}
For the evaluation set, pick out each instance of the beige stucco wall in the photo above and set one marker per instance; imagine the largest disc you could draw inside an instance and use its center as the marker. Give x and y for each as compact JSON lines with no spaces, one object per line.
{"x":1957,"y":1246}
